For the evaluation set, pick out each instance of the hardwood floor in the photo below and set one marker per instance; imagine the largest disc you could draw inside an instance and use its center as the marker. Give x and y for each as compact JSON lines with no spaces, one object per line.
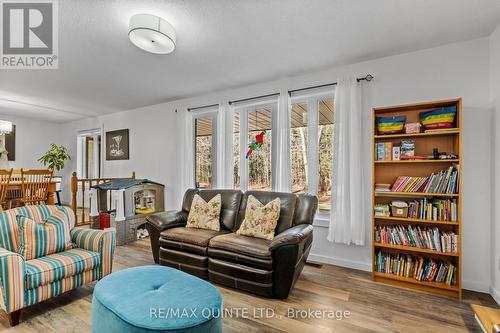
{"x":373,"y":307}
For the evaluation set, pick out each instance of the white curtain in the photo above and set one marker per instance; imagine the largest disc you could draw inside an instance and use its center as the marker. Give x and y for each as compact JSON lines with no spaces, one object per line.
{"x":225,"y":120}
{"x":283,"y":172}
{"x":188,"y":151}
{"x":347,"y":215}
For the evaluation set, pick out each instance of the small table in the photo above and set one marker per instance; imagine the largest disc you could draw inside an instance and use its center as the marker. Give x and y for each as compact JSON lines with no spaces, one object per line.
{"x":155,"y":299}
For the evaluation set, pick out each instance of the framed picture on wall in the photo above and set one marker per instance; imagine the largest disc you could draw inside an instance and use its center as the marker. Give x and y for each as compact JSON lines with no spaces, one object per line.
{"x":117,"y":145}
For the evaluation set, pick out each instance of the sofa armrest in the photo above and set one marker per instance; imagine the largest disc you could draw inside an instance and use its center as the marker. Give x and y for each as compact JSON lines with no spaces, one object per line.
{"x":294,"y":235}
{"x":290,"y":250}
{"x":166,"y":220}
{"x":156,"y":223}
{"x":101,"y":241}
{"x":12,"y":280}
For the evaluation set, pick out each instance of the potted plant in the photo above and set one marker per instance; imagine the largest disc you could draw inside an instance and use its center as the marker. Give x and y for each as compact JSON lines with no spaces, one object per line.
{"x":54,"y":159}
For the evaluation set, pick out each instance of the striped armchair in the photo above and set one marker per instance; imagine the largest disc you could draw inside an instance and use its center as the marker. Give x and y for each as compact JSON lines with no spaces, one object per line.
{"x":27,"y":282}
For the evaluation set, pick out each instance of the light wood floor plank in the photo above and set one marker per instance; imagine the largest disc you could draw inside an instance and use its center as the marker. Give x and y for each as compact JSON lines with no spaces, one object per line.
{"x":373,"y":307}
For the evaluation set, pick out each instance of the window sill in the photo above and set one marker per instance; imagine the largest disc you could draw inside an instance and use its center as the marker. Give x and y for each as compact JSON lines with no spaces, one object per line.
{"x":322,"y":220}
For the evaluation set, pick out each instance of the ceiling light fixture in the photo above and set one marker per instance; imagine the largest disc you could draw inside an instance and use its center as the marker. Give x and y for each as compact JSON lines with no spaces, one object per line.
{"x":5,"y":127}
{"x":152,"y":34}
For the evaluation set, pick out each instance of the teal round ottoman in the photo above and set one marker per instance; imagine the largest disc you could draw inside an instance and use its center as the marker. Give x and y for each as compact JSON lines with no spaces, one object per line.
{"x":155,"y":299}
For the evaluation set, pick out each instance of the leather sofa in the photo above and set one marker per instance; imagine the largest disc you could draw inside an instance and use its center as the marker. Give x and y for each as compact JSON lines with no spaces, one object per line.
{"x":265,"y":267}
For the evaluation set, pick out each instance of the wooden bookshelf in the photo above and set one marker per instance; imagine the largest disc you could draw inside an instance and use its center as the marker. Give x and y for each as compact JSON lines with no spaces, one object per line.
{"x":413,"y":194}
{"x":418,"y":161}
{"x":387,"y":171}
{"x":415,"y":250}
{"x":411,"y":220}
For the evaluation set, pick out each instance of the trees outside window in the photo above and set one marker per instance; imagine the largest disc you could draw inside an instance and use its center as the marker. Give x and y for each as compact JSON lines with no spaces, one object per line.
{"x":311,"y":147}
{"x":255,"y":171}
{"x":204,"y":142}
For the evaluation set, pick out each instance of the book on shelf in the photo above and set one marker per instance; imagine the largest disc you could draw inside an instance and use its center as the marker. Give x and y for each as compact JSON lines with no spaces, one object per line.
{"x":441,"y":130}
{"x":435,"y":209}
{"x":382,"y":210}
{"x":384,"y":151}
{"x":380,"y":187}
{"x":418,"y":268}
{"x":414,"y":236}
{"x":443,"y":182}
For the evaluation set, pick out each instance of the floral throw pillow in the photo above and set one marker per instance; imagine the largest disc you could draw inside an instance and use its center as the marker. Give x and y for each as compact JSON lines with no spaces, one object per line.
{"x":260,"y":221}
{"x":204,"y":215}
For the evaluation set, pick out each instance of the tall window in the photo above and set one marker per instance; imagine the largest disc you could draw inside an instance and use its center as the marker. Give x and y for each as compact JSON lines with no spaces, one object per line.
{"x":325,"y":150}
{"x":204,"y":143}
{"x":311,"y":146}
{"x":253,"y":146}
{"x":236,"y":151}
{"x":259,"y":161}
{"x":89,"y":154}
{"x":298,"y":146}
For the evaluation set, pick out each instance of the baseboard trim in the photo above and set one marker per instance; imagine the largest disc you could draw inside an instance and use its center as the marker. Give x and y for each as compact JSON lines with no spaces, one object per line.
{"x":475,"y":286}
{"x":495,"y":294}
{"x":363,"y":266}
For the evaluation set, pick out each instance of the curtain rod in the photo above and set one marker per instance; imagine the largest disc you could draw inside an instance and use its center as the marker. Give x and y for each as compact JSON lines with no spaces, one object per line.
{"x":256,"y":97}
{"x":202,"y":107}
{"x":367,"y":78}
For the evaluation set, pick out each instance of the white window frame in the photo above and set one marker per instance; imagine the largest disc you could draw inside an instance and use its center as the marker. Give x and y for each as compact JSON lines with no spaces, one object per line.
{"x":312,"y":100}
{"x":243,"y":111}
{"x":204,"y":113}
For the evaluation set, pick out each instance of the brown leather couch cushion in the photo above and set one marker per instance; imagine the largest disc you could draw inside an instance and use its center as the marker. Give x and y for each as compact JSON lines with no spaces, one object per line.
{"x":287,"y":207}
{"x":241,"y":258}
{"x":195,"y":236}
{"x":250,"y":246}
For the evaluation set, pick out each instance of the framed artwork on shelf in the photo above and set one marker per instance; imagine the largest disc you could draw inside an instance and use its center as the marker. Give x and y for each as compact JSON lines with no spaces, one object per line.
{"x":117,"y":145}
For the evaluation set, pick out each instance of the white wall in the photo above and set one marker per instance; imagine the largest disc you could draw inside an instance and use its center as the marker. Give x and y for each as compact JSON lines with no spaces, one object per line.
{"x":33,"y":138}
{"x":153,"y":139}
{"x":456,"y":70}
{"x":495,"y":222}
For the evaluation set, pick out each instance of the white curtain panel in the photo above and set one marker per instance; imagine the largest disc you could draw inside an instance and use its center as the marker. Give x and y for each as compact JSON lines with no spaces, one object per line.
{"x":347,"y":218}
{"x":188,"y":151}
{"x":283,"y":179}
{"x":225,"y":120}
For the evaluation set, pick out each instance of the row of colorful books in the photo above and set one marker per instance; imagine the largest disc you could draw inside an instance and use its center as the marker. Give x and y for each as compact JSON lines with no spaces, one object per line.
{"x":414,"y":236}
{"x":421,"y":269}
{"x":436,"y":209}
{"x":444,"y":181}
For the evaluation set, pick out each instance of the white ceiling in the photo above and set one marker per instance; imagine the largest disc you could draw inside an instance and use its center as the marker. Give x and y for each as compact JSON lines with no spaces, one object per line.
{"x":223,"y":44}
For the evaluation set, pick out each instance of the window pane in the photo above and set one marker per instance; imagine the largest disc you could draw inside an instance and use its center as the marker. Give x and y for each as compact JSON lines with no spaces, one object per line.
{"x":325,"y":146}
{"x":298,"y":147}
{"x":259,"y":161}
{"x":236,"y":151}
{"x":203,"y":151}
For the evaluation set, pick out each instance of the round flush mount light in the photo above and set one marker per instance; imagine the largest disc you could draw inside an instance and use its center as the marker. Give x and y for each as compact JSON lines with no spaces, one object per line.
{"x":152,"y":34}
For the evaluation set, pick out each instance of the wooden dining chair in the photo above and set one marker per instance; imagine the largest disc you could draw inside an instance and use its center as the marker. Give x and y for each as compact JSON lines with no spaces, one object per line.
{"x":35,"y":186}
{"x":5,"y":176}
{"x":15,"y":192}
